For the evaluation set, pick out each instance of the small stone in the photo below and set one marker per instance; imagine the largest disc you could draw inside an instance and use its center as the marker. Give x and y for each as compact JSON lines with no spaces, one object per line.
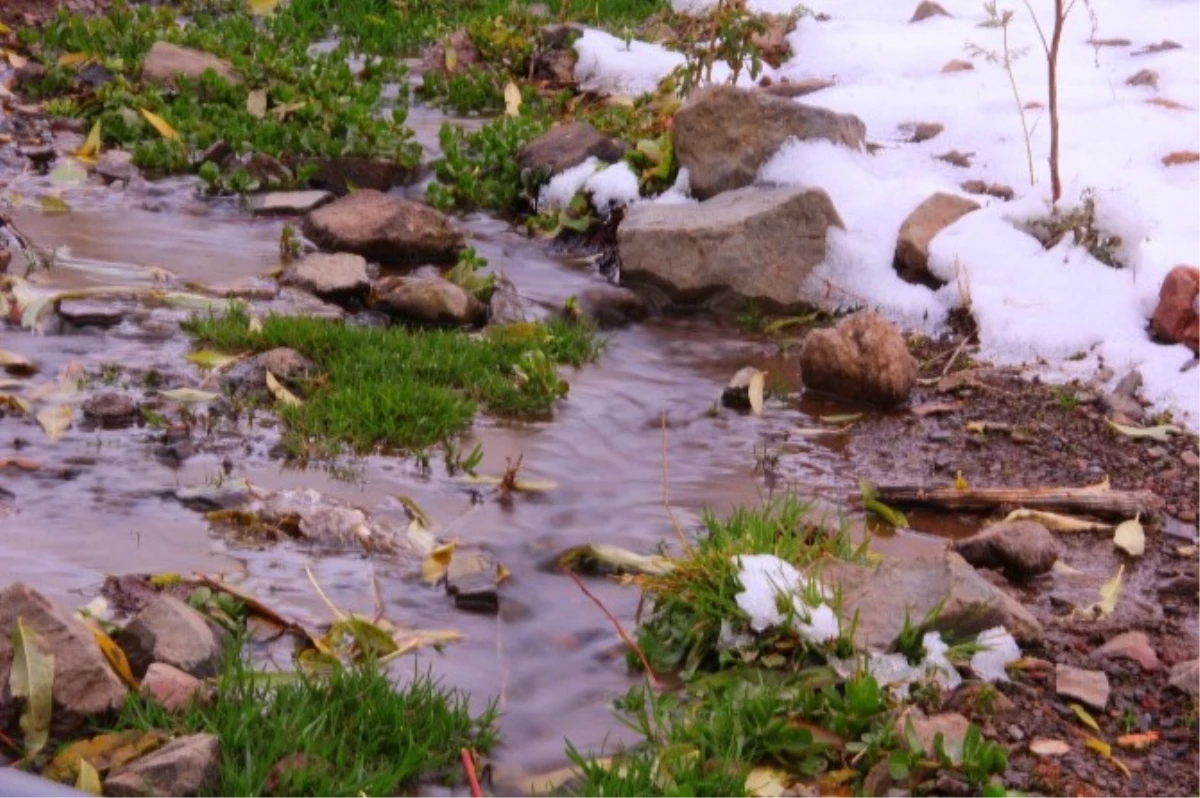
{"x":928,"y":9}
{"x":1085,"y":686}
{"x":1157,"y":452}
{"x":282,"y":203}
{"x":611,"y":306}
{"x":169,"y":631}
{"x":1185,"y":676}
{"x":170,"y":687}
{"x":340,"y":278}
{"x":997,"y":190}
{"x":951,"y":725}
{"x":186,"y":766}
{"x":1130,"y":645}
{"x":1143,"y":77}
{"x":1022,"y":549}
{"x":110,"y":408}
{"x":165,"y":63}
{"x":427,"y":300}
{"x":1016,"y":733}
{"x":114,"y":165}
{"x":91,"y":312}
{"x":1190,"y":459}
{"x":472,"y":579}
{"x":938,"y":436}
{"x":286,"y":364}
{"x":957,"y":65}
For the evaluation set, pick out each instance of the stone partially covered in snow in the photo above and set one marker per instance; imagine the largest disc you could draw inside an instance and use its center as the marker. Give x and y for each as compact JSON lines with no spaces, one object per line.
{"x":606,"y":186}
{"x":1175,"y":318}
{"x":1022,"y":549}
{"x":926,"y":221}
{"x":999,"y":651}
{"x":384,"y":228}
{"x":565,"y":146}
{"x":723,"y":134}
{"x":864,"y":357}
{"x":755,"y":244}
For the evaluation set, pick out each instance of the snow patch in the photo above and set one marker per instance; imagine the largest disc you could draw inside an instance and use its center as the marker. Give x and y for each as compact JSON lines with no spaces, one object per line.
{"x":1000,"y":651}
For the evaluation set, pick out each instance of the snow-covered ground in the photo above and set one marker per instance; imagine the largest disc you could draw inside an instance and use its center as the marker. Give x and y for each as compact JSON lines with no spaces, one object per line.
{"x":1032,"y":305}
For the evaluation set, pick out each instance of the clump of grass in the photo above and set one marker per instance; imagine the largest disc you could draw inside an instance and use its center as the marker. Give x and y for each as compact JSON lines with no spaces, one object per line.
{"x":353,"y":732}
{"x":401,"y":389}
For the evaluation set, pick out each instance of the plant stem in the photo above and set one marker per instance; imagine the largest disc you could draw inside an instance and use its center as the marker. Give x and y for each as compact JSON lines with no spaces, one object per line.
{"x":1060,"y":18}
{"x":1012,"y":81}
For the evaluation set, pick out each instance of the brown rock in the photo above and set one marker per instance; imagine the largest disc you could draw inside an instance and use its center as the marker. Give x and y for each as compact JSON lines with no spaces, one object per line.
{"x":110,"y":408}
{"x":1180,"y":158}
{"x":1175,"y":319}
{"x":284,"y":363}
{"x":346,"y":172}
{"x":1088,"y":687}
{"x":169,"y":631}
{"x":170,"y":687}
{"x":427,"y":300}
{"x":336,"y":277}
{"x":957,"y":65}
{"x":612,"y":306}
{"x":864,"y":357}
{"x":723,"y":134}
{"x":166,"y":63}
{"x":1143,"y":77}
{"x":186,"y":766}
{"x":926,"y":221}
{"x":1022,"y":549}
{"x":556,"y":67}
{"x":384,"y":228}
{"x":1130,"y":645}
{"x":924,"y":131}
{"x":84,"y":684}
{"x":565,"y":146}
{"x":927,"y":9}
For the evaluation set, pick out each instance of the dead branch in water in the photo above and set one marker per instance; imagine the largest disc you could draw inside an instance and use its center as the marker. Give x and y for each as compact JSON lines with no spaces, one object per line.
{"x":1105,"y":503}
{"x":629,"y":641}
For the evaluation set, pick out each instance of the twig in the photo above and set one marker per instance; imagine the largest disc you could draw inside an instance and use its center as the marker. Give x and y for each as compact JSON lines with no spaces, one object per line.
{"x":469,"y":766}
{"x":958,"y":351}
{"x":629,"y":641}
{"x":666,"y":498}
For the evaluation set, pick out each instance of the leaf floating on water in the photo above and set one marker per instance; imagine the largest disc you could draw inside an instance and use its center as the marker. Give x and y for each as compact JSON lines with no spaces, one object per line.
{"x":1130,"y":537}
{"x":32,"y":678}
{"x":1085,"y":717}
{"x":189,"y":395}
{"x":755,"y":390}
{"x":1044,"y":747}
{"x":597,"y":558}
{"x":14,"y":403}
{"x":14,"y":363}
{"x":437,"y":562}
{"x":872,"y":505}
{"x":161,"y":125}
{"x":841,"y":418}
{"x":281,"y":394}
{"x":69,"y":172}
{"x":522,"y":485}
{"x":55,"y":420}
{"x":512,"y":99}
{"x":256,"y":103}
{"x":1161,"y":433}
{"x":1057,"y":522}
{"x":208,"y":359}
{"x":53,"y":205}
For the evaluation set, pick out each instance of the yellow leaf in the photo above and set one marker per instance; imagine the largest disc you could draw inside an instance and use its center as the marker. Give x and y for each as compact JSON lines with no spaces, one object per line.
{"x":164,"y":579}
{"x":767,"y":782}
{"x":72,"y":59}
{"x":1130,"y":537}
{"x":113,"y":653}
{"x":189,"y":395}
{"x":1105,"y":750}
{"x":89,"y":779}
{"x":14,"y":403}
{"x":1085,"y":717}
{"x":282,"y":112}
{"x":437,"y":562}
{"x":1161,"y":433}
{"x":91,"y":145}
{"x":103,"y":752}
{"x":1110,"y":591}
{"x":161,"y":125}
{"x":512,"y":99}
{"x":4,"y":29}
{"x":208,"y":359}
{"x":317,"y":586}
{"x":502,"y":574}
{"x":960,"y":482}
{"x":261,"y":8}
{"x":755,"y":390}
{"x":53,"y":205}
{"x":281,"y":394}
{"x":451,"y":56}
{"x":1057,"y":522}
{"x":32,"y":678}
{"x":55,"y":420}
{"x":256,"y":103}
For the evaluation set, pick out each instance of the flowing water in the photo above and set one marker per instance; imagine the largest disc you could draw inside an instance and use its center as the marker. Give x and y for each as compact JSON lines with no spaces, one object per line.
{"x":550,"y":657}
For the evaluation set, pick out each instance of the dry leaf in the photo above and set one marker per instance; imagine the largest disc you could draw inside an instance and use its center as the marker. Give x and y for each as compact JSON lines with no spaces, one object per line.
{"x":758,"y":381}
{"x":256,"y":103}
{"x":90,"y":150}
{"x":1105,"y":750}
{"x":1137,"y":742}
{"x":55,"y":420}
{"x":512,"y":99}
{"x":161,"y":125}
{"x":1061,"y":567}
{"x":208,"y":359}
{"x":17,"y":61}
{"x":113,"y":653}
{"x":437,"y":562}
{"x":1163,"y":102}
{"x":1057,"y":522}
{"x":1044,"y":747}
{"x":1130,"y":537}
{"x":821,"y":432}
{"x":1085,"y":717}
{"x":72,"y":59}
{"x":767,"y":782}
{"x":1161,"y":433}
{"x":88,"y":780}
{"x":1180,"y":158}
{"x":1110,"y":591}
{"x":281,"y":394}
{"x":14,"y":363}
{"x":189,"y":395}
{"x":32,"y":678}
{"x":960,"y":482}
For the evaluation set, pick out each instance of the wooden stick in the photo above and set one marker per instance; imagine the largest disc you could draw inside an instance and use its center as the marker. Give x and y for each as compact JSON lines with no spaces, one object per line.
{"x":1107,"y":503}
{"x":469,"y":766}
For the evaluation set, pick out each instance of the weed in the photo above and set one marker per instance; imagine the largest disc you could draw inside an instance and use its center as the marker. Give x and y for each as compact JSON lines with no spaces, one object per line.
{"x":353,"y":732}
{"x":399,"y":389}
{"x":751,"y":318}
{"x":1066,"y":399}
{"x":1080,"y":223}
{"x":480,"y":169}
{"x":466,"y":274}
{"x":289,"y":244}
{"x":726,"y":33}
{"x":1006,"y":57}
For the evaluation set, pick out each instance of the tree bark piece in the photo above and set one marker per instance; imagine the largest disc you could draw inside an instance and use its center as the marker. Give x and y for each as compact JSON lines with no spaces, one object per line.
{"x":1105,"y":503}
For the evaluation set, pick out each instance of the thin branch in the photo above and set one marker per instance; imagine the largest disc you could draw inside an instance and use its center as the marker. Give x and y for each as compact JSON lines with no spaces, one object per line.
{"x":683,"y":541}
{"x":629,"y":641}
{"x":958,"y":351}
{"x":1038,"y":25}
{"x":469,"y":766}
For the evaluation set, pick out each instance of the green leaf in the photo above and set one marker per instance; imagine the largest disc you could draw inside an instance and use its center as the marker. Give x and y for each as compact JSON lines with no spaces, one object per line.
{"x":32,"y":678}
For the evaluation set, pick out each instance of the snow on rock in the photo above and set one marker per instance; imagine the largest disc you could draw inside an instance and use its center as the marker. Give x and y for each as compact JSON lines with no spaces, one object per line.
{"x":609,"y":65}
{"x":1000,"y":651}
{"x":821,"y":626}
{"x":608,"y":186}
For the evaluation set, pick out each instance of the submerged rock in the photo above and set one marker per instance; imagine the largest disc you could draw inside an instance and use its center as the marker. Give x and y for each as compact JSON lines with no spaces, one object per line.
{"x":863,"y":357}
{"x":171,"y":632}
{"x":340,"y":278}
{"x":384,"y":228}
{"x":84,"y":683}
{"x":427,"y":300}
{"x":166,"y":63}
{"x":93,"y":312}
{"x":187,"y":766}
{"x":880,"y":596}
{"x":723,"y":134}
{"x":565,"y":146}
{"x":114,"y":165}
{"x":755,"y":243}
{"x":347,"y":172}
{"x":313,"y":517}
{"x":110,"y":408}
{"x":1022,"y":549}
{"x":472,"y":579}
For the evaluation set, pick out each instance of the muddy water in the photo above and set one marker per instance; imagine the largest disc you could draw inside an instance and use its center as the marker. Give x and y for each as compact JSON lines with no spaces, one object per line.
{"x":550,"y":658}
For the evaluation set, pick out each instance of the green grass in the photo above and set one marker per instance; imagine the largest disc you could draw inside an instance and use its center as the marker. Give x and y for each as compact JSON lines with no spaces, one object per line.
{"x":399,"y":389}
{"x":358,"y":732}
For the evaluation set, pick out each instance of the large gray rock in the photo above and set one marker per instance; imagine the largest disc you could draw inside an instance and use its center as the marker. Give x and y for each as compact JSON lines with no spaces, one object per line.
{"x":723,"y":134}
{"x":880,"y":596}
{"x":427,"y":300}
{"x":169,"y":631}
{"x":186,"y":766}
{"x":84,"y":684}
{"x":166,"y":62}
{"x":918,"y":230}
{"x":1022,"y":549}
{"x":756,"y":243}
{"x":568,"y":145}
{"x":863,"y":357}
{"x":340,"y":277}
{"x":384,"y":228}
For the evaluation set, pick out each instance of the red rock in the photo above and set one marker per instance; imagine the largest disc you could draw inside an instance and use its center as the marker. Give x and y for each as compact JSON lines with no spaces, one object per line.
{"x":1130,"y":645}
{"x":1175,"y":319}
{"x":170,"y":687}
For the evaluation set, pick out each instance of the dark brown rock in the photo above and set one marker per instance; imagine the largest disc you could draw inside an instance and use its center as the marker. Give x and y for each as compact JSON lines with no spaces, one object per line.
{"x":864,"y":358}
{"x":345,"y":173}
{"x":1175,"y":319}
{"x":427,"y":300}
{"x":918,"y":230}
{"x":385,"y":229}
{"x":612,"y":306}
{"x":1022,"y":549}
{"x":169,"y":631}
{"x":186,"y":766}
{"x":723,"y":134}
{"x":568,"y":145}
{"x":927,"y":9}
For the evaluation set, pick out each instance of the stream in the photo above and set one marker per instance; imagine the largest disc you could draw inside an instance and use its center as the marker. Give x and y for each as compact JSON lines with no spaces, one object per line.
{"x":550,"y":658}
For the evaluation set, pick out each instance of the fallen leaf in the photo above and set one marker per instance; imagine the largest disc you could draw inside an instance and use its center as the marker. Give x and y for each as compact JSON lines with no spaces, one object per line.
{"x":522,"y":485}
{"x":104,"y":752}
{"x":281,"y":394}
{"x":17,"y":61}
{"x":598,"y":558}
{"x":69,"y":172}
{"x":512,"y":99}
{"x":936,"y":408}
{"x":1061,"y":567}
{"x":55,"y":420}
{"x":208,"y":359}
{"x":53,"y":205}
{"x":32,"y":678}
{"x":1137,"y":742}
{"x":821,"y":432}
{"x":1180,"y":158}
{"x":960,"y":482}
{"x":21,"y":463}
{"x":1105,"y":750}
{"x":14,"y":403}
{"x":256,"y":103}
{"x":90,"y":150}
{"x":1163,"y":102}
{"x":841,"y":418}
{"x":437,"y":562}
{"x":1130,"y":537}
{"x":1085,"y":717}
{"x":16,"y":364}
{"x":88,"y":780}
{"x":765,"y":781}
{"x":282,"y":112}
{"x":1160,"y":433}
{"x":189,"y":395}
{"x":1044,"y":747}
{"x":1110,"y":591}
{"x":161,"y":125}
{"x":113,"y":653}
{"x":1187,"y":552}
{"x":1057,"y":522}
{"x":757,"y":386}
{"x":72,"y":59}
{"x":412,"y":639}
